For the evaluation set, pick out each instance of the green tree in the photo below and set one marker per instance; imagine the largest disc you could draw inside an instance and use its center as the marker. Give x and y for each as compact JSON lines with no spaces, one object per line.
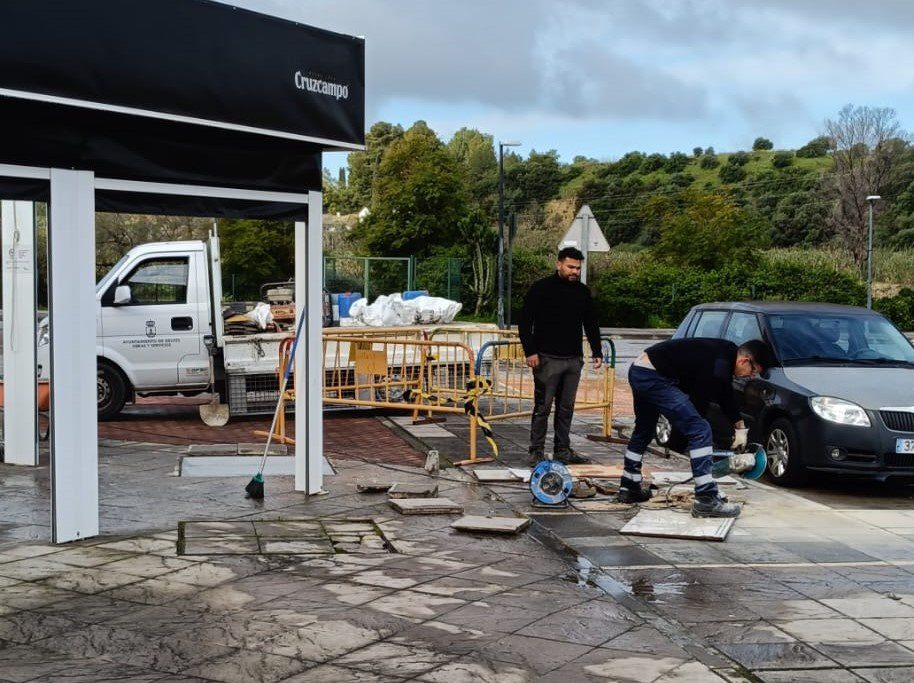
{"x":817,"y":147}
{"x":652,"y":162}
{"x":537,"y":179}
{"x":706,"y":230}
{"x":739,"y":158}
{"x":363,"y":166}
{"x":761,"y":144}
{"x":475,"y":152}
{"x":676,"y":163}
{"x":418,"y":197}
{"x":782,"y":159}
{"x":731,"y":173}
{"x":255,"y":252}
{"x":709,"y":160}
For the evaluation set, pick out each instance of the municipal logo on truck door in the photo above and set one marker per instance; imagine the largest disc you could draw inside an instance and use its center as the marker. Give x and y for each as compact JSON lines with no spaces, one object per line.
{"x":150,"y":328}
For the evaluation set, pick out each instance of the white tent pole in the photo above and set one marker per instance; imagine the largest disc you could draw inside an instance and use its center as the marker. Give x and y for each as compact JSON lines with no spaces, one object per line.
{"x":20,"y":440}
{"x":309,"y":429}
{"x":72,"y":305}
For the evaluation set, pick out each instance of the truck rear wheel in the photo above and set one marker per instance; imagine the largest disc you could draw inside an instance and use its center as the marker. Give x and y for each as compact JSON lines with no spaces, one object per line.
{"x":112,"y":391}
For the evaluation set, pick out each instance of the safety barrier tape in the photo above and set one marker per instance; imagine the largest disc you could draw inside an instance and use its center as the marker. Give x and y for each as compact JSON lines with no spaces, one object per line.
{"x":476,"y":387}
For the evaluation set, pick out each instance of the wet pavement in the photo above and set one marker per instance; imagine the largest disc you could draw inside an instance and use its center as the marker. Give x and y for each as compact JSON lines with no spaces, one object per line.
{"x":340,"y":587}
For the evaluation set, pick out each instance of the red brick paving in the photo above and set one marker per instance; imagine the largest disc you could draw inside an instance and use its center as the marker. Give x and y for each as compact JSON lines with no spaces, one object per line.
{"x":176,"y":421}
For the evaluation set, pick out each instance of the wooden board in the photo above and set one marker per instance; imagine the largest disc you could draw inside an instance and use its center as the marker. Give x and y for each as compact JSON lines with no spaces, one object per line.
{"x":667,"y":478}
{"x":498,"y":525}
{"x":413,"y":491}
{"x":671,"y":524}
{"x":602,"y":471}
{"x":426,"y":506}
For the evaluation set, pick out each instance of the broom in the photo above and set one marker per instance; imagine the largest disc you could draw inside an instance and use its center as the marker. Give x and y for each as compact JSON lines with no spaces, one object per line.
{"x":254,"y":488}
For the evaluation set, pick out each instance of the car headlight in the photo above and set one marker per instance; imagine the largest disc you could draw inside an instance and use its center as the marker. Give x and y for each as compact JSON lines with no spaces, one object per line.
{"x":44,"y":335}
{"x":840,"y":411}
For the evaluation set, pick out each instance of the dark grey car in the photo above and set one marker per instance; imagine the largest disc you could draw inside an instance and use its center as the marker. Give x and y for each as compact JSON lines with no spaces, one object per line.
{"x":841,"y":398}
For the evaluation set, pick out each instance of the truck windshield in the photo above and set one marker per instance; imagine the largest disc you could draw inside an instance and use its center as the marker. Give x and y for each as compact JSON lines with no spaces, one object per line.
{"x":102,"y":284}
{"x":839,"y":338}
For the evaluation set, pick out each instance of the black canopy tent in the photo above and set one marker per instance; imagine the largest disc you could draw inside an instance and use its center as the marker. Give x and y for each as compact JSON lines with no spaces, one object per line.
{"x":184,"y":91}
{"x":183,"y":107}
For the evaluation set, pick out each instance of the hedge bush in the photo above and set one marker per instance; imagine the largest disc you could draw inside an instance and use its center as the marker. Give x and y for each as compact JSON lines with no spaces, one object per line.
{"x":651,"y":294}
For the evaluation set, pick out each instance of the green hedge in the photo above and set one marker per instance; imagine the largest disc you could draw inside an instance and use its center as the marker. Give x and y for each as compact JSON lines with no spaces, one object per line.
{"x":651,"y":294}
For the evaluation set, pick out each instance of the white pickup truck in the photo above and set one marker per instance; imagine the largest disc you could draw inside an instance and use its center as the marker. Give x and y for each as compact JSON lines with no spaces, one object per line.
{"x":158,"y":312}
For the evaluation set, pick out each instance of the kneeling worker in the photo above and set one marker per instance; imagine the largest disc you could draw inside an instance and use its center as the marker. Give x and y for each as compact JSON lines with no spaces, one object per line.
{"x":678,"y":379}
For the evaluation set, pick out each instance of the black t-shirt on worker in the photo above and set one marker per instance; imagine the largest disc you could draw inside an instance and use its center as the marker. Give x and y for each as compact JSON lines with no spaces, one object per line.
{"x":702,"y":368}
{"x":555,"y":311}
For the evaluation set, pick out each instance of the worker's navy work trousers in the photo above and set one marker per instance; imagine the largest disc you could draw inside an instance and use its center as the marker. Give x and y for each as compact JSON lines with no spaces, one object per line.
{"x":555,"y":380}
{"x":655,"y":395}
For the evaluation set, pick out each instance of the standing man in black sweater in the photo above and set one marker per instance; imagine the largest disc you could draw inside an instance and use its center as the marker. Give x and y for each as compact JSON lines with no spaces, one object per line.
{"x":555,"y":311}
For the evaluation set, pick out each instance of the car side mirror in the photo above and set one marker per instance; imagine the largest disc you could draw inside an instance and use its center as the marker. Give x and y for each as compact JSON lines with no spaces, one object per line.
{"x":122,"y":295}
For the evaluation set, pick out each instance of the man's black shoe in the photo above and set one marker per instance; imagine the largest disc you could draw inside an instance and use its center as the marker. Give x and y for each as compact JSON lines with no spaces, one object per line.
{"x":534,"y":458}
{"x":630,"y":496}
{"x":569,"y":457}
{"x":714,"y":506}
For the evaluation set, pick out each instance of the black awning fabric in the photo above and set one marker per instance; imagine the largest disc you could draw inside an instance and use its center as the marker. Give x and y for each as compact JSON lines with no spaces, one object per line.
{"x":126,"y":147}
{"x":190,"y":58}
{"x":194,"y":58}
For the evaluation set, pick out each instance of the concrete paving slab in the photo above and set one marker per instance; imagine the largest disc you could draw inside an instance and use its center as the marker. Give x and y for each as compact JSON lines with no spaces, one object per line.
{"x":499,"y":525}
{"x":422,"y":490}
{"x":495,"y":474}
{"x":426,"y":506}
{"x":671,"y":524}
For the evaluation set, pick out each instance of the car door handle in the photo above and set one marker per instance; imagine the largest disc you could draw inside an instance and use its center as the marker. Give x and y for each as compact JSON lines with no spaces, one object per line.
{"x":182,"y":323}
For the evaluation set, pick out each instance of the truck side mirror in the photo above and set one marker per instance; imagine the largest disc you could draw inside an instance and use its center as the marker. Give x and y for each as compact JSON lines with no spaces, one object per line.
{"x":122,"y":295}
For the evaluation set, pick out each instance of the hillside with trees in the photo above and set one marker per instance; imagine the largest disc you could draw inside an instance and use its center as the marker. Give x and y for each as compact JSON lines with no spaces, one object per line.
{"x":684,"y":227}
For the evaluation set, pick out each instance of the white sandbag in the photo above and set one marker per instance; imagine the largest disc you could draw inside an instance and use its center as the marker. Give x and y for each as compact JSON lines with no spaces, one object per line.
{"x":433,"y":309}
{"x":260,"y":315}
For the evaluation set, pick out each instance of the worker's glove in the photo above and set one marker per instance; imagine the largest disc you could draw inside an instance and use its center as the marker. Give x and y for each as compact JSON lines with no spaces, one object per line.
{"x":740,"y":440}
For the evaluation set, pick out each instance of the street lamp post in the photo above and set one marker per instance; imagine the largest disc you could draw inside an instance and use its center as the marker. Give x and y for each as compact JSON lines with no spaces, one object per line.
{"x":872,"y":199}
{"x":500,"y":265}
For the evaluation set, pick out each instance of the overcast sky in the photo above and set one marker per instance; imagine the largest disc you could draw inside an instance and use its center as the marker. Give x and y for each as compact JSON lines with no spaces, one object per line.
{"x":603,"y":77}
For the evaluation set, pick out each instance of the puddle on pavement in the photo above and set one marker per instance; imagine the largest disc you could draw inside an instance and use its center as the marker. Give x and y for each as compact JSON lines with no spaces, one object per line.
{"x":651,"y":591}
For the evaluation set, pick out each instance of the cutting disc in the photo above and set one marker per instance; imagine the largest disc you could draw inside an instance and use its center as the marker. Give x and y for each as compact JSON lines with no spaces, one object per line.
{"x":550,"y":482}
{"x":761,"y":462}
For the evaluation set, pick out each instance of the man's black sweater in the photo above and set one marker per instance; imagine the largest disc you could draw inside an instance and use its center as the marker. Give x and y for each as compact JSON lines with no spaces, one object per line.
{"x":702,"y":368}
{"x":555,"y":310}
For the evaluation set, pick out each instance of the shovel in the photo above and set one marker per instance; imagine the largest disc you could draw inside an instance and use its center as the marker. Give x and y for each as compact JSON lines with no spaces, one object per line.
{"x":214,"y":413}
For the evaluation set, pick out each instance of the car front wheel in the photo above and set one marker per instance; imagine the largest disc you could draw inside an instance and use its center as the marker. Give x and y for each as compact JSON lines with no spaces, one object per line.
{"x":785,"y":465}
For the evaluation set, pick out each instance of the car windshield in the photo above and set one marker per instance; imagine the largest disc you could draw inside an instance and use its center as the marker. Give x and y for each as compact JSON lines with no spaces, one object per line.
{"x":806,"y":337}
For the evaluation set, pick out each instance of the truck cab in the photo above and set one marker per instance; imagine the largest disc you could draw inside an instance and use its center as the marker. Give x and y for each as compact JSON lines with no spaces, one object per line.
{"x":154,"y":315}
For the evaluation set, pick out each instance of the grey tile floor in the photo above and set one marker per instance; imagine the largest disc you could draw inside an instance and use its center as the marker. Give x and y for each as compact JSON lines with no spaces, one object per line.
{"x":800,"y":591}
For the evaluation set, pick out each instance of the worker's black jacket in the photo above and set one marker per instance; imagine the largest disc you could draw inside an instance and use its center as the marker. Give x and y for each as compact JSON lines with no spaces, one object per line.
{"x":554,"y":312}
{"x":702,"y":368}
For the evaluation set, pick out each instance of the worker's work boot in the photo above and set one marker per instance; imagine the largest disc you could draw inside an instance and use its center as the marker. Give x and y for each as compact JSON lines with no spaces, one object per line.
{"x":630,"y":496}
{"x":569,"y":457}
{"x":714,"y":506}
{"x":534,"y":458}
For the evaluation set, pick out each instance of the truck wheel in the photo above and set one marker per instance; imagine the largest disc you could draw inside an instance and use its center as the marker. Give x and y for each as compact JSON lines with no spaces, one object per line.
{"x":112,"y":391}
{"x":785,"y":463}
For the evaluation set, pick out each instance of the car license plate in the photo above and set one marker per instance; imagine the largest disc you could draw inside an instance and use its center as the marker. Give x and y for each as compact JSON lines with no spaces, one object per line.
{"x":904,"y":445}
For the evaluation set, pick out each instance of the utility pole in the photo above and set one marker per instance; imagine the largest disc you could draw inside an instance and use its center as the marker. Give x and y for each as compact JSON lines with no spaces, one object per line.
{"x":872,"y":199}
{"x":500,"y":265}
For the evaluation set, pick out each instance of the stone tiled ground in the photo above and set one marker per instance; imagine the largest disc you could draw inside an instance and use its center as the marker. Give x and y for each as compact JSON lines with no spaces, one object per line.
{"x":807,"y":587}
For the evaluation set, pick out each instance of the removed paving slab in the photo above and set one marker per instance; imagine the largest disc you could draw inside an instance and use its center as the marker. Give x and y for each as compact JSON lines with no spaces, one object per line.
{"x":487,"y":524}
{"x":426,"y":506}
{"x":677,"y":524}
{"x":401,"y":490}
{"x":314,"y":537}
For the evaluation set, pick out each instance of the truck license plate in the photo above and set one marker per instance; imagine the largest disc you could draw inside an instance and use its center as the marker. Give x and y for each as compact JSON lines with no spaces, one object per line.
{"x":904,"y":445}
